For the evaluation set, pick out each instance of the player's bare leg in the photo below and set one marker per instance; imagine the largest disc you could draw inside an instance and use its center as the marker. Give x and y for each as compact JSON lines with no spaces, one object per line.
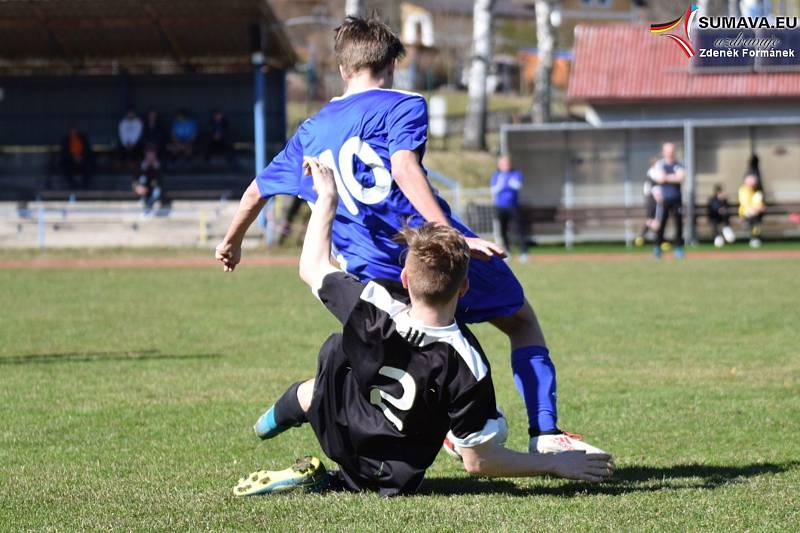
{"x":535,"y":378}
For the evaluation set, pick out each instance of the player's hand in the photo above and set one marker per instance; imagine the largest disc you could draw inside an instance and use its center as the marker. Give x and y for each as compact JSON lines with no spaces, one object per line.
{"x":229,"y":254}
{"x":594,"y":467}
{"x":324,"y":182}
{"x":484,"y":250}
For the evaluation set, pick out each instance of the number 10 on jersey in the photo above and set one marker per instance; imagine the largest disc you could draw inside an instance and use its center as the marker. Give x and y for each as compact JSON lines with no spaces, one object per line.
{"x":348,"y":186}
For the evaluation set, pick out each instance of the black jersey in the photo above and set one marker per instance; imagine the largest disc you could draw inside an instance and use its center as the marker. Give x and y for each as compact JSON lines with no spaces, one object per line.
{"x":388,"y":388}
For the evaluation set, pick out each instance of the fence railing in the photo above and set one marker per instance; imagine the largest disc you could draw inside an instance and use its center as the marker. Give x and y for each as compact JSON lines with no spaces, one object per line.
{"x":112,"y":223}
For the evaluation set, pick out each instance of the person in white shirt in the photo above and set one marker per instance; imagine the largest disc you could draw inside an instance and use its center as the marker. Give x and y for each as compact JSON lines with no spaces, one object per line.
{"x":130,"y":136}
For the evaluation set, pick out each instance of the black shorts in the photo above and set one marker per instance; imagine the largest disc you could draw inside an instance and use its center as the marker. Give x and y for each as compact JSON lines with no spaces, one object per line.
{"x":335,"y":417}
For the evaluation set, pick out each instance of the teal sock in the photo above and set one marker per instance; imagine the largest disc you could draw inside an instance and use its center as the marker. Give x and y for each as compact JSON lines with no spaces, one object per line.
{"x":266,"y":427}
{"x":284,"y":414}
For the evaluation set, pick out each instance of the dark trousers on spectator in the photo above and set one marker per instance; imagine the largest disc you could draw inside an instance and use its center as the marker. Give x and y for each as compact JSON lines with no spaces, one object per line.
{"x":219,"y":148}
{"x":506,"y":217}
{"x":754,"y":225}
{"x":718,"y":222}
{"x":670,"y":208}
{"x":77,"y":173}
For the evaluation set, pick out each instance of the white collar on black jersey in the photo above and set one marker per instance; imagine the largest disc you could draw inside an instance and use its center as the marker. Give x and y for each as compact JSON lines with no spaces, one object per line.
{"x":418,"y":334}
{"x":365,"y":89}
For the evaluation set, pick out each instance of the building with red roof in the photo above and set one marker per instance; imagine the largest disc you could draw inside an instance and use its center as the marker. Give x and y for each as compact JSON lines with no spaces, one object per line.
{"x":624,"y":72}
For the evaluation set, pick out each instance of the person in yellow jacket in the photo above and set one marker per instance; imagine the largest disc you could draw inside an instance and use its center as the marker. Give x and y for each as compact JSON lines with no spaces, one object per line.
{"x":751,"y":207}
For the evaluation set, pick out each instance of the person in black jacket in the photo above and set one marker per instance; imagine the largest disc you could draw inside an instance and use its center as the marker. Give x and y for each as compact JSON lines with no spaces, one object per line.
{"x":719,"y":217}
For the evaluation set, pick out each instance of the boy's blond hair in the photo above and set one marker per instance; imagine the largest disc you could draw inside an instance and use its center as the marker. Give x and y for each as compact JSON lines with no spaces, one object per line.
{"x":366,"y":43}
{"x":436,"y":262}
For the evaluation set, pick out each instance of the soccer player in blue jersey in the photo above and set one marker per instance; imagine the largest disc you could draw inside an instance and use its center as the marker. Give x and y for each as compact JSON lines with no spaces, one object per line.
{"x":373,"y":138}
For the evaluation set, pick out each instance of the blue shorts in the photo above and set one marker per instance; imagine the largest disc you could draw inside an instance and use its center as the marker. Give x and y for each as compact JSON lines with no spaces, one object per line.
{"x":493,"y":292}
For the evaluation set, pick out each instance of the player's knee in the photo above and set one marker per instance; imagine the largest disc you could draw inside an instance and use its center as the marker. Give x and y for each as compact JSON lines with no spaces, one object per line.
{"x":304,"y":394}
{"x":522,"y":321}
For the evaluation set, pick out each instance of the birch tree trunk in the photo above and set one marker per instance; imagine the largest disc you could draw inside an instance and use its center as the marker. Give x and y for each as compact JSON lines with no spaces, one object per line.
{"x":354,"y":8}
{"x":475,"y":123}
{"x":546,"y":44}
{"x":733,"y":8}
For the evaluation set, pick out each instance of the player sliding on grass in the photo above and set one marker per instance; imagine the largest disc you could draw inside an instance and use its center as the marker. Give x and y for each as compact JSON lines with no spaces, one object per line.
{"x":400,"y":375}
{"x":374,"y":140}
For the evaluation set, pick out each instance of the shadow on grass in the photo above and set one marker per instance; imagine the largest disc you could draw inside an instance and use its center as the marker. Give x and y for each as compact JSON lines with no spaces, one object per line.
{"x":96,"y":357}
{"x":625,"y":480}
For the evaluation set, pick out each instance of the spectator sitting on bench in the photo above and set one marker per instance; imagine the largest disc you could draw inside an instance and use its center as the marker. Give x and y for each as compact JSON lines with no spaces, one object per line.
{"x":184,"y":135}
{"x":147,"y":182}
{"x":76,"y":158}
{"x":751,"y":207}
{"x":219,"y":142}
{"x":130,"y":137}
{"x":153,"y":133}
{"x":719,"y":216}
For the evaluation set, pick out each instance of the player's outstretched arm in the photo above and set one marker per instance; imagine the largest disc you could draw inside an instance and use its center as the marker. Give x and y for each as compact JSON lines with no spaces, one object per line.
{"x":315,"y":259}
{"x":411,"y":179}
{"x":492,"y":460}
{"x":229,"y":251}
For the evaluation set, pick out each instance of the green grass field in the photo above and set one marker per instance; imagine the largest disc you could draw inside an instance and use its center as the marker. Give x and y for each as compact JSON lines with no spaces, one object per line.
{"x":128,"y":396}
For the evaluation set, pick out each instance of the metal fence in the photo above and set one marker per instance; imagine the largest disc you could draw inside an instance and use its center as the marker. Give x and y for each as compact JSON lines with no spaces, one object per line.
{"x":44,"y":224}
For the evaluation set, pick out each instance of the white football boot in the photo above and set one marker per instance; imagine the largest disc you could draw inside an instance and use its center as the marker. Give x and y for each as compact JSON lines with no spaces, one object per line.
{"x":563,"y":442}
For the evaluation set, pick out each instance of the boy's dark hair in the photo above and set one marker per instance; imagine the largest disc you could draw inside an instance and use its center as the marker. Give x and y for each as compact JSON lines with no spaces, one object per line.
{"x":366,"y":43}
{"x":717,"y":188}
{"x":436,"y":262}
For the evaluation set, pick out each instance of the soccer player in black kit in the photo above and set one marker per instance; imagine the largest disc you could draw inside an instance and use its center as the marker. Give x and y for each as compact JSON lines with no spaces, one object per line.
{"x":400,"y":376}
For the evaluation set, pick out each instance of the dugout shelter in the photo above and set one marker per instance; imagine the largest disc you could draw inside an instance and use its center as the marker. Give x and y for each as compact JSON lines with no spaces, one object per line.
{"x":584,"y":179}
{"x":83,"y":62}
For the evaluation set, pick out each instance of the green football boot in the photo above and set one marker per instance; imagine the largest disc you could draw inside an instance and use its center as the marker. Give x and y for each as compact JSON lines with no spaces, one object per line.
{"x":306,"y":475}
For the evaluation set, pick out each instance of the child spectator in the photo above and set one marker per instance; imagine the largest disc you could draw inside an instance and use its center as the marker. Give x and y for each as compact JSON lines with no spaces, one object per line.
{"x":130,"y":136}
{"x":147,"y":182}
{"x":184,"y":134}
{"x":654,"y":204}
{"x":719,"y":216}
{"x":751,"y":207}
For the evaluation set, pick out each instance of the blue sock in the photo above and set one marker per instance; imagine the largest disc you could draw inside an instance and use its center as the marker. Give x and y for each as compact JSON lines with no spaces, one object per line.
{"x":535,"y":378}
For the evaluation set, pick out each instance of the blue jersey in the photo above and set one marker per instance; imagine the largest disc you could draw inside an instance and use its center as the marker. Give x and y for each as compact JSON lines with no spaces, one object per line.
{"x":505,"y":188}
{"x":356,"y":136}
